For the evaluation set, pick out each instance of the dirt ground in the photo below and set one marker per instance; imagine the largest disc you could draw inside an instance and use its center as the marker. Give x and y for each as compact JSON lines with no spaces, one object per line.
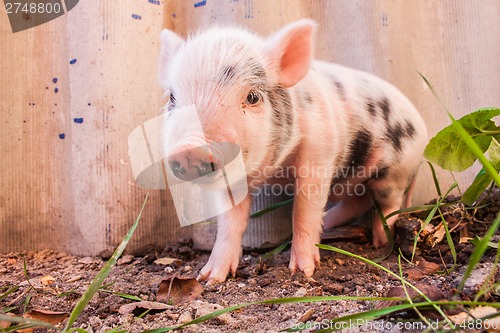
{"x":57,"y":281}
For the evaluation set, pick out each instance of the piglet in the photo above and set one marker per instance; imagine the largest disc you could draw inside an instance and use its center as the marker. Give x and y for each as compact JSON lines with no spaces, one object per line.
{"x":334,"y":133}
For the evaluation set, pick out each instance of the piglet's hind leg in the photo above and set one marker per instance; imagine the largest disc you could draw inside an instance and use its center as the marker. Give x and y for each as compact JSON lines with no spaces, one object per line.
{"x":349,"y":208}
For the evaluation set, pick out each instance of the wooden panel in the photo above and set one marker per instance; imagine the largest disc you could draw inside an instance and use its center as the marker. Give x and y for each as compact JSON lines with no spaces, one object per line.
{"x":67,"y":182}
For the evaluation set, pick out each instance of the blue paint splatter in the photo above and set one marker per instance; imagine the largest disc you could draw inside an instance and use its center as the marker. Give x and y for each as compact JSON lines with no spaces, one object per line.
{"x":78,"y":120}
{"x":62,"y":136}
{"x":136,"y":17}
{"x":201,"y":3}
{"x":154,"y":2}
{"x":54,"y":80}
{"x":71,"y":62}
{"x":56,"y":90}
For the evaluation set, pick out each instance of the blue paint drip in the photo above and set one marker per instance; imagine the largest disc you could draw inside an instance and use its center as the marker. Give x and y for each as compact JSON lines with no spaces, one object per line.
{"x":54,"y":80}
{"x":56,"y":90}
{"x":71,"y":62}
{"x":154,"y":2}
{"x":201,"y":3}
{"x":62,"y":136}
{"x":136,"y":17}
{"x":78,"y":120}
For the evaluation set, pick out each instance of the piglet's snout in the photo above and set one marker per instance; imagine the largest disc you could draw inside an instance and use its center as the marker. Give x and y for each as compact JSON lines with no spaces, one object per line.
{"x":189,"y":163}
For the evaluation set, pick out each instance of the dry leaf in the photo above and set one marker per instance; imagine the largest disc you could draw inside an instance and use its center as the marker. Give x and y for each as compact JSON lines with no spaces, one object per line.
{"x":460,"y":318}
{"x":414,"y":274}
{"x":177,"y":291}
{"x":47,"y":280}
{"x":439,"y":234}
{"x":138,"y":308}
{"x":485,"y":311}
{"x":306,"y":316}
{"x":167,"y":261}
{"x":428,"y":267}
{"x":464,"y":236}
{"x":51,"y":317}
{"x":11,"y":261}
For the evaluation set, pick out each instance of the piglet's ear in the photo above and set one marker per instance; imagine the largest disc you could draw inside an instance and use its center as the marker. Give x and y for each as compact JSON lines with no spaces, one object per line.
{"x":290,"y":51}
{"x":169,"y":43}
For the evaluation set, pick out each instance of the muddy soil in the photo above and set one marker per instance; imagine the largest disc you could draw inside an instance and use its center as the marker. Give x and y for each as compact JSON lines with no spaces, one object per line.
{"x":55,"y":281}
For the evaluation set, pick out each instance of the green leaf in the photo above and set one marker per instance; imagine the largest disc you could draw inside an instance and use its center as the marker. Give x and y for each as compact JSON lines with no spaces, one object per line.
{"x":448,"y":149}
{"x":103,"y":273}
{"x":494,"y":153}
{"x":478,"y":186}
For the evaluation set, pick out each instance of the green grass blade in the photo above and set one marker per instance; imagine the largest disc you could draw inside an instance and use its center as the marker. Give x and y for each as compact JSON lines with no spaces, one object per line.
{"x":122,"y":295}
{"x":434,"y":177}
{"x":417,"y":209}
{"x":103,"y":273}
{"x":271,"y":208}
{"x":9,"y":291}
{"x":364,"y":317}
{"x":370,"y":262}
{"x":449,"y":240}
{"x":479,"y":251}
{"x":280,"y":248}
{"x":306,"y":299}
{"x":407,"y":294}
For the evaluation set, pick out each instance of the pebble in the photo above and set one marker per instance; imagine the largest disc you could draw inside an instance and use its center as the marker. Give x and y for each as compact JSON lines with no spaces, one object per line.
{"x":86,"y":260}
{"x":300,"y":292}
{"x":203,"y":308}
{"x":185,"y":317}
{"x":476,"y":280}
{"x":126,"y":259}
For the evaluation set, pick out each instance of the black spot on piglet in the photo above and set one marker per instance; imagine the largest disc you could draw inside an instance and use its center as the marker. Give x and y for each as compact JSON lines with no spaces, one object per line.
{"x":395,"y":134}
{"x":360,"y":148}
{"x":370,"y":107}
{"x":385,"y":107}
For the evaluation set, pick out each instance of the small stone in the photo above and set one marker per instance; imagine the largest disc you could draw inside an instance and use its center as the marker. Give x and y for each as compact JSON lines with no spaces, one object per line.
{"x":124,"y":260}
{"x":86,"y":260}
{"x":185,"y":317}
{"x":300,"y":292}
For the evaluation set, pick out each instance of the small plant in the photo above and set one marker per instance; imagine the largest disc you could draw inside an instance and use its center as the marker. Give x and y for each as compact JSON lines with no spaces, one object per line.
{"x":452,"y":151}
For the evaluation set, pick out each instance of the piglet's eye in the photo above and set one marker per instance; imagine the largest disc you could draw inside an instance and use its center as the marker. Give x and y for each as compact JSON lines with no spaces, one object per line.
{"x":253,"y":98}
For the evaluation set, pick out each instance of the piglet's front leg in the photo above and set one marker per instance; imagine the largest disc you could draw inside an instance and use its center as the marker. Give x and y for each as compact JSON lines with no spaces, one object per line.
{"x":226,"y":253}
{"x":310,"y":198}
